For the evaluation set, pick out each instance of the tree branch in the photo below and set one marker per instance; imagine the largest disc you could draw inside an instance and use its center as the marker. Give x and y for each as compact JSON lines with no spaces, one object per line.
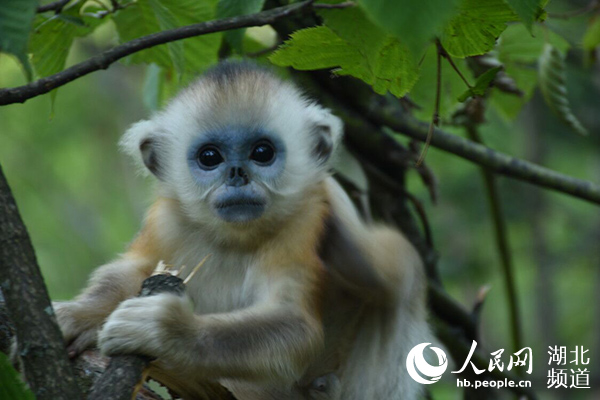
{"x":496,"y":161}
{"x":103,"y":60}
{"x":54,"y":6}
{"x":380,"y":111}
{"x":39,"y":340}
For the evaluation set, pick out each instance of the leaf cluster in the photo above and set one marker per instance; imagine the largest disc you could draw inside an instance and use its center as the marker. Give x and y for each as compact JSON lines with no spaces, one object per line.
{"x":389,"y":44}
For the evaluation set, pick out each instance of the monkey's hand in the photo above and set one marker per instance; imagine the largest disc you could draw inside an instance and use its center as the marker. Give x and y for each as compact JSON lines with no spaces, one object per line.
{"x":79,"y":325}
{"x":150,"y":326}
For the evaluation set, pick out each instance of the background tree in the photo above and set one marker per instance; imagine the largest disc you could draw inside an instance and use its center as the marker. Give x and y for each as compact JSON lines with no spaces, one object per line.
{"x":460,"y":75}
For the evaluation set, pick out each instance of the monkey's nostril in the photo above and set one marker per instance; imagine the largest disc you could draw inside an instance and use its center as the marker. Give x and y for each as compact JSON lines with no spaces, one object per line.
{"x":232,"y":173}
{"x":241,"y":173}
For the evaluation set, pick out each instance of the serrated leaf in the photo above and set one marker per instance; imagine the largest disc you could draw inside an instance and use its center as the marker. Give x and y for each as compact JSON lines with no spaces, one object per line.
{"x":481,"y":85}
{"x":384,"y":62}
{"x":475,"y":29}
{"x":423,"y":93}
{"x":551,"y":72}
{"x":527,"y":10}
{"x":51,"y":40}
{"x":357,"y":47}
{"x":516,"y":45}
{"x":16,"y":18}
{"x":192,"y":55}
{"x":519,"y":52}
{"x":416,"y":23}
{"x":145,"y":17}
{"x":233,"y":8}
{"x":11,"y":385}
{"x":591,"y":39}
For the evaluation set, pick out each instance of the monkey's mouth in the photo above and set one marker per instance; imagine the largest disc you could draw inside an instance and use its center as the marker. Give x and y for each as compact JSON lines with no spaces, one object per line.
{"x":240,"y":209}
{"x":240,"y":203}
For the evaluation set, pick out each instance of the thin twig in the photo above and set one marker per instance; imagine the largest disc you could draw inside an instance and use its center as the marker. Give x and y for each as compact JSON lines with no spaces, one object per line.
{"x":196,"y":268}
{"x":478,"y":307}
{"x":435,"y":118}
{"x":345,"y":4}
{"x":103,"y":60}
{"x":592,"y":5}
{"x":501,"y":237}
{"x":56,"y":6}
{"x":447,"y":56}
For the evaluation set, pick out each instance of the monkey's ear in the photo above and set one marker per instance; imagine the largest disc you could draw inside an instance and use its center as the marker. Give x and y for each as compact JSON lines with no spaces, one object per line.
{"x":142,"y":141}
{"x":328,"y":131}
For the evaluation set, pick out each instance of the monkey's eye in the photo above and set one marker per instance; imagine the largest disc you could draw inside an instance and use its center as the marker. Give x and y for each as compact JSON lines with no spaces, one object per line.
{"x":209,"y":157}
{"x":263,"y":153}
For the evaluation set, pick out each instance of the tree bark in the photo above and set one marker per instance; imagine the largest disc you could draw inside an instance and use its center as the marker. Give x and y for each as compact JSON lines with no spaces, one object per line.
{"x":39,"y":341}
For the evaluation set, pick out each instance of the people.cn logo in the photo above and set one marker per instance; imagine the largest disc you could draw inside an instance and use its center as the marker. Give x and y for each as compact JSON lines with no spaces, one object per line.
{"x":420,"y":370}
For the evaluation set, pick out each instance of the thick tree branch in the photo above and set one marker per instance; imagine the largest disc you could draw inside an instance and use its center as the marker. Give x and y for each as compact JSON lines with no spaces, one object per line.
{"x":39,"y":340}
{"x":103,"y":60}
{"x":126,"y":373}
{"x":496,"y":161}
{"x":381,"y":111}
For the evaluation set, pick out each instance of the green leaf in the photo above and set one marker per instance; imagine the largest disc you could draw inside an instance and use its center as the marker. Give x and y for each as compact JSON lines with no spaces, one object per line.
{"x":414,"y":22}
{"x":519,"y":52}
{"x":145,"y":17}
{"x":475,"y":29}
{"x":16,"y":17}
{"x":423,"y":93}
{"x":591,"y":39}
{"x":11,"y":385}
{"x":51,"y":39}
{"x":554,"y":89}
{"x":189,"y":56}
{"x":481,"y":85}
{"x":527,"y":10}
{"x":315,"y":48}
{"x":152,"y":86}
{"x":517,"y":46}
{"x":357,"y":47}
{"x":233,"y":8}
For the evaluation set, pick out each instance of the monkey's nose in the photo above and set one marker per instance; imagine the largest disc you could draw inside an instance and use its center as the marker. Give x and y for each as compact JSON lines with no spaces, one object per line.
{"x":237,"y":177}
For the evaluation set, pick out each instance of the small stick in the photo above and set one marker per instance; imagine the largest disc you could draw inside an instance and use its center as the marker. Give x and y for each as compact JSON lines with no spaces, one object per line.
{"x":180,"y":270}
{"x":196,"y":268}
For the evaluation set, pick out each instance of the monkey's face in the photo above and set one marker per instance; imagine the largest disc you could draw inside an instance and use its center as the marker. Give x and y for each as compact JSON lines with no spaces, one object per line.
{"x":237,"y":146}
{"x":237,"y":165}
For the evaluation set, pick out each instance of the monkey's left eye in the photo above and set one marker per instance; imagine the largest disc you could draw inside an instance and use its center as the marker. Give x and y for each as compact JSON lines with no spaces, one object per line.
{"x":209,"y":157}
{"x":263,"y":153}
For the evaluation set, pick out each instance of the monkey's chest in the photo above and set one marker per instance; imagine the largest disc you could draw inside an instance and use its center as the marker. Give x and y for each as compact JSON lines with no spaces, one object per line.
{"x":223,"y":284}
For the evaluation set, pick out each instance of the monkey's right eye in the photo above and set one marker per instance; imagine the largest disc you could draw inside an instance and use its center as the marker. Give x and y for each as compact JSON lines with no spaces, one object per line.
{"x":209,"y":157}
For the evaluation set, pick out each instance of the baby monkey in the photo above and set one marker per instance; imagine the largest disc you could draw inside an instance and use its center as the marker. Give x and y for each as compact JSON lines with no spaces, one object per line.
{"x":300,"y":299}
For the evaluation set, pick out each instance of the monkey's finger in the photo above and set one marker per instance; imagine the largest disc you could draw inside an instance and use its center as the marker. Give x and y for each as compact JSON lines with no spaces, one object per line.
{"x":82,"y":342}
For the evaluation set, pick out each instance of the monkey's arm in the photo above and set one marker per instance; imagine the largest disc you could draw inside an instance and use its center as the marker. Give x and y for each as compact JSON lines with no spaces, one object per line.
{"x":110,"y":284}
{"x":375,"y":262}
{"x":274,"y":339}
{"x":80,"y":319}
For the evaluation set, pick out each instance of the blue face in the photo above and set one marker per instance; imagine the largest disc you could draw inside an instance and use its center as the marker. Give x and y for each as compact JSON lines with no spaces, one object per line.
{"x":239,"y":162}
